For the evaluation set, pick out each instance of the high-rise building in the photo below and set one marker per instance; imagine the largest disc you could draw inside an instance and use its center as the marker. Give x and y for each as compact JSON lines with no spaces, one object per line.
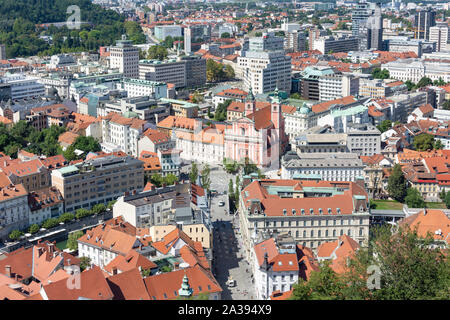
{"x":423,"y":21}
{"x":440,"y":35}
{"x":265,"y":66}
{"x":295,"y":41}
{"x":187,"y":40}
{"x":125,"y":57}
{"x":367,"y":25}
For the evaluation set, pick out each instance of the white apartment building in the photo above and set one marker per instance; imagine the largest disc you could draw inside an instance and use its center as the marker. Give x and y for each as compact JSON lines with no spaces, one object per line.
{"x":61,"y":61}
{"x":14,"y":209}
{"x":138,"y":88}
{"x":125,"y":57}
{"x":295,"y":41}
{"x":265,"y":71}
{"x":415,"y":69}
{"x":341,"y":44}
{"x":170,"y":71}
{"x":337,"y":85}
{"x":149,"y":208}
{"x":440,"y":35}
{"x":275,"y":267}
{"x":23,"y":87}
{"x":122,"y":132}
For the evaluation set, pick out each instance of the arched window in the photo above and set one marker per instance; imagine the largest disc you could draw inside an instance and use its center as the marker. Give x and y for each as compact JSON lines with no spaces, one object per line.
{"x":334,"y":233}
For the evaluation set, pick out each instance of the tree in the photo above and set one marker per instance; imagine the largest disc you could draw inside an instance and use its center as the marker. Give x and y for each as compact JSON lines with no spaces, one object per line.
{"x":324,"y":284}
{"x":70,"y":154}
{"x":258,"y":34}
{"x":197,"y":97}
{"x":397,"y":184}
{"x":66,"y":217}
{"x":85,"y":262}
{"x":225,"y":35}
{"x":446,"y":105}
{"x":229,"y":72}
{"x":15,"y":234}
{"x":50,"y":223}
{"x":87,"y":144}
{"x":423,"y":82}
{"x":221,"y":110}
{"x":157,"y":52}
{"x":214,"y":70}
{"x":205,"y":177}
{"x":99,"y":208}
{"x":193,"y":175}
{"x":231,"y":189}
{"x":236,"y":192}
{"x":111,"y":204}
{"x":168,"y":42}
{"x":33,"y":228}
{"x":385,"y":125}
{"x":423,"y":142}
{"x":410,"y":85}
{"x":377,"y":73}
{"x":81,"y":213}
{"x":438,"y":145}
{"x":414,"y":199}
{"x":72,"y":240}
{"x":447,"y":200}
{"x":295,"y":95}
{"x":410,"y":268}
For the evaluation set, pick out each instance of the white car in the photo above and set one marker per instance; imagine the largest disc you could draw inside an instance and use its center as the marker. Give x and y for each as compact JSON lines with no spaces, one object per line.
{"x":221,"y":204}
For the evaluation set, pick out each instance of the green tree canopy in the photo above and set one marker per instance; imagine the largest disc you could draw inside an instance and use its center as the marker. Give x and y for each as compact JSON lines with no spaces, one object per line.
{"x":157,"y":52}
{"x":424,"y":142}
{"x":72,"y":242}
{"x":205,"y":177}
{"x":193,"y":174}
{"x":397,"y":184}
{"x":15,"y":234}
{"x":225,"y":35}
{"x":414,"y":199}
{"x":385,"y":125}
{"x":377,"y":73}
{"x":33,"y":228}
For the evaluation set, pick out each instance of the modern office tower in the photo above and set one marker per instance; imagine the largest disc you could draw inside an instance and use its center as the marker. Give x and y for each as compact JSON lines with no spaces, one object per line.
{"x":423,"y":21}
{"x":265,"y":66}
{"x":161,"y":32}
{"x":295,"y":41}
{"x":440,"y":35}
{"x":359,"y":17}
{"x":125,"y":57}
{"x":195,"y":70}
{"x":187,"y":40}
{"x":367,"y":25}
{"x":375,"y":28}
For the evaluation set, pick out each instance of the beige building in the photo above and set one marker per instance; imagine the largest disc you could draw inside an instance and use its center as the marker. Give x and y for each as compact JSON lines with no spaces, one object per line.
{"x":311,"y":211}
{"x":98,"y":180}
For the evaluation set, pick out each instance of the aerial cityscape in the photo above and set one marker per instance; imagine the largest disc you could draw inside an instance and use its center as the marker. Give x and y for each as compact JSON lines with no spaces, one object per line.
{"x":224,"y":150}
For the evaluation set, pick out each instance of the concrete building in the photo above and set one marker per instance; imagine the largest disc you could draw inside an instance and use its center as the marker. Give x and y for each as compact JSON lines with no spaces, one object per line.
{"x":138,"y":88}
{"x":415,"y":69}
{"x":423,"y":21}
{"x":312,"y":212}
{"x":309,"y":81}
{"x":161,"y":32}
{"x":337,"y":85}
{"x":125,"y":57}
{"x":329,"y":44}
{"x":335,"y":167}
{"x":61,"y":61}
{"x":295,"y":41}
{"x":405,"y":44}
{"x":440,"y":35}
{"x":98,"y":180}
{"x":363,"y":139}
{"x":185,"y":71}
{"x":23,"y":87}
{"x":122,"y":132}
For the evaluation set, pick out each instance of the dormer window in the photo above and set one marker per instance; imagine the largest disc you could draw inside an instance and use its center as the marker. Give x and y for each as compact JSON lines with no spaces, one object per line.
{"x":311,"y":210}
{"x":329,"y":210}
{"x":284,"y":211}
{"x":320,"y":211}
{"x":293,"y":212}
{"x":303,"y":211}
{"x":338,"y":210}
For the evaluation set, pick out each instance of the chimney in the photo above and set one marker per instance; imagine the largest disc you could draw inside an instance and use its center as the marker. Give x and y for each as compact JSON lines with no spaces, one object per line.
{"x":50,"y":248}
{"x":8,"y":271}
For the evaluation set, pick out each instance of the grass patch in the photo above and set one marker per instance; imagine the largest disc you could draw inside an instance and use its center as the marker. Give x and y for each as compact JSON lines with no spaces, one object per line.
{"x":386,"y":205}
{"x":436,"y":205}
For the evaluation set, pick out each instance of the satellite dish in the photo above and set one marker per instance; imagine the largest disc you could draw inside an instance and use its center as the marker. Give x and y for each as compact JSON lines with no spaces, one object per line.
{"x":184,"y":265}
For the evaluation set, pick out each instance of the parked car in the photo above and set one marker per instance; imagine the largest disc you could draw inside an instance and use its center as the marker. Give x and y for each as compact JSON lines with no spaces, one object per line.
{"x":221,"y":203}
